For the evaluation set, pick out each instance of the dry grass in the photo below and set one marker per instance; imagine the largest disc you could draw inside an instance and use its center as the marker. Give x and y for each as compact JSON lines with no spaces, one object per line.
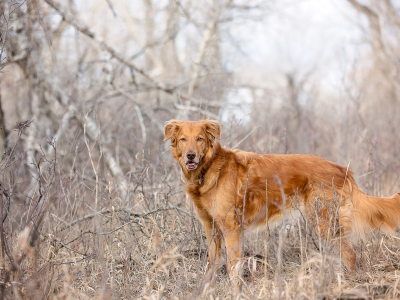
{"x":153,"y":247}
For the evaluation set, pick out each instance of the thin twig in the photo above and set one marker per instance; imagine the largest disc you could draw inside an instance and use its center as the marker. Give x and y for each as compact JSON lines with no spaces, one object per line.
{"x":244,"y":206}
{"x":75,"y":261}
{"x":3,"y":234}
{"x":111,"y":8}
{"x":237,"y":144}
{"x":281,"y":236}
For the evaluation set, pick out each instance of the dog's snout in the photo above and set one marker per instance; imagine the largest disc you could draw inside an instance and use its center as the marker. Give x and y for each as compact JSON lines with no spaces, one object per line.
{"x":191,"y":155}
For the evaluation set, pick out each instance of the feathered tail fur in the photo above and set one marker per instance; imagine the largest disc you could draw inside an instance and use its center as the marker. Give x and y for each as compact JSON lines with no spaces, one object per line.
{"x":375,"y":212}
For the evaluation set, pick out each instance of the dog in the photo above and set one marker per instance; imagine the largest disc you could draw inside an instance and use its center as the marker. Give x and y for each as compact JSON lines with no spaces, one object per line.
{"x":233,"y":190}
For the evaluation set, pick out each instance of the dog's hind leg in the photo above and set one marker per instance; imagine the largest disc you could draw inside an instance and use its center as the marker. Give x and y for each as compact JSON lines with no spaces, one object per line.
{"x":340,"y":238}
{"x":349,"y":256}
{"x":331,"y":214}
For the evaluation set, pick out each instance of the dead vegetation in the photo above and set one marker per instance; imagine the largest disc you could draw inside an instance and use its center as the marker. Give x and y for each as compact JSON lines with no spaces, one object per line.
{"x":91,"y":200}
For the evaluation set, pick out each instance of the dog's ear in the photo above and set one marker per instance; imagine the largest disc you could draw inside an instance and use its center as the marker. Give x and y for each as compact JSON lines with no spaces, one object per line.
{"x":212,"y":128}
{"x":170,"y":130}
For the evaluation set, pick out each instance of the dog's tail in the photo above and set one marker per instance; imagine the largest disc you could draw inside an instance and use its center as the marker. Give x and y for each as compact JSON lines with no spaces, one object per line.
{"x":375,"y":212}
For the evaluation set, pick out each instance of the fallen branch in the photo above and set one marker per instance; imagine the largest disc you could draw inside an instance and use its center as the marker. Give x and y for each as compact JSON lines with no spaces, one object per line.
{"x":106,"y":211}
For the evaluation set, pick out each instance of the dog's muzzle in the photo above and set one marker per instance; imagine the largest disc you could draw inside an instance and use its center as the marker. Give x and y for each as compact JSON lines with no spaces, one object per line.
{"x":191,"y":160}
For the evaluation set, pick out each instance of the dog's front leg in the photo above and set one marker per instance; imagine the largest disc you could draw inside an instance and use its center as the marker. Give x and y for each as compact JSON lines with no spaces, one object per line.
{"x":233,"y":237}
{"x":214,"y":239}
{"x":213,"y":235}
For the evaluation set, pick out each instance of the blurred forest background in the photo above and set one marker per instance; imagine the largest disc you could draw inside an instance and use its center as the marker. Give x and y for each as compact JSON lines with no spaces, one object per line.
{"x":87,"y":86}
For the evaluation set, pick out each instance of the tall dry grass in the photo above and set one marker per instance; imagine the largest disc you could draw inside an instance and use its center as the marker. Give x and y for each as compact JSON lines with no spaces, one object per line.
{"x":152,"y":246}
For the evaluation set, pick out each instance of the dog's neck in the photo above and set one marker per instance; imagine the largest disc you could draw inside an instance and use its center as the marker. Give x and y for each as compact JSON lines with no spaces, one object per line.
{"x":199,"y":175}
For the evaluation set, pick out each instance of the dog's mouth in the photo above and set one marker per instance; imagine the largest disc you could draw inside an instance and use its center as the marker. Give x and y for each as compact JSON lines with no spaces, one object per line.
{"x":191,"y":165}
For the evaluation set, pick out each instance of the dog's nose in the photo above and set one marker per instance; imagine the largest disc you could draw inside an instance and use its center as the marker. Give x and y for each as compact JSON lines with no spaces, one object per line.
{"x":191,"y":155}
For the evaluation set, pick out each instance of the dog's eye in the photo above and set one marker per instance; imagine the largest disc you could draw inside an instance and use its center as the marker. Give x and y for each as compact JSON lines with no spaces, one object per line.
{"x":183,"y":139}
{"x":199,"y":139}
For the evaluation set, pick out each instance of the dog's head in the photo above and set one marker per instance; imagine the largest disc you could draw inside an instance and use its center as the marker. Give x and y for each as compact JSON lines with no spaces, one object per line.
{"x":192,"y":141}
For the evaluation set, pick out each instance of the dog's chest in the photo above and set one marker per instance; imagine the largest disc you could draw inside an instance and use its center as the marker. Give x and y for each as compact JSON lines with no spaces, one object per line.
{"x":203,"y":192}
{"x":215,"y":191}
{"x":200,"y":190}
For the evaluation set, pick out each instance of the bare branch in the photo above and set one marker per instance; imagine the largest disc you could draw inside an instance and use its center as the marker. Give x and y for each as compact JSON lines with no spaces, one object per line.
{"x":376,"y":33}
{"x":392,"y":13}
{"x":111,"y":8}
{"x":92,"y":130}
{"x":208,"y":34}
{"x":62,"y":128}
{"x":86,"y":31}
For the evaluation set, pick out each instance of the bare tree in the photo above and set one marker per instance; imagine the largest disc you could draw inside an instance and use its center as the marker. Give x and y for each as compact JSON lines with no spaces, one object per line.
{"x":381,"y":46}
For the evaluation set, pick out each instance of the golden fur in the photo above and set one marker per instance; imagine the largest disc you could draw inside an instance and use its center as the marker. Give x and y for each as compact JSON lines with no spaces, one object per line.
{"x":228,"y":189}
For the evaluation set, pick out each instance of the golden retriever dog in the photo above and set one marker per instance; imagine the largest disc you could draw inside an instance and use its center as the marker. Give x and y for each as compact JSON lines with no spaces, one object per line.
{"x":232,"y":190}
